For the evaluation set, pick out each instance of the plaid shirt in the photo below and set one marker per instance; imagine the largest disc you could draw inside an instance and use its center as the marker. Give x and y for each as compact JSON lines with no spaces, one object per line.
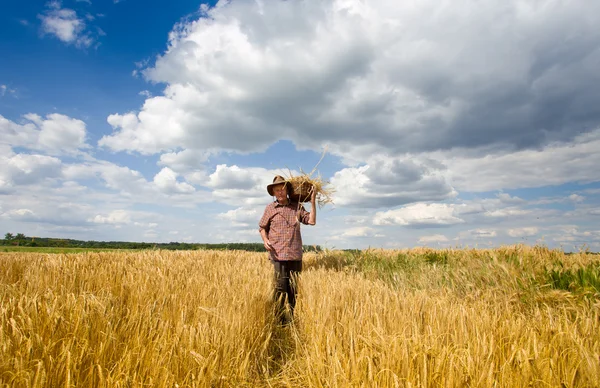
{"x":283,"y":229}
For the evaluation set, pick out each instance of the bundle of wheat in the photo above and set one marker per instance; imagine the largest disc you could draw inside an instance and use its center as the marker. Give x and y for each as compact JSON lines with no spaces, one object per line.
{"x":302,"y":187}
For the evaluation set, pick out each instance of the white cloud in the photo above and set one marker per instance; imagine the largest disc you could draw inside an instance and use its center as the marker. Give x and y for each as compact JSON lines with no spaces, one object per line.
{"x":380,"y":79}
{"x":367,"y":77}
{"x":17,"y":135}
{"x":507,"y":199}
{"x":131,"y":186}
{"x":64,"y":24}
{"x":57,"y":134}
{"x":184,"y":161}
{"x":523,"y":232}
{"x":5,"y":90}
{"x":470,"y":208}
{"x":233,"y":177}
{"x":576,"y":198}
{"x":237,"y":186}
{"x":35,"y":213}
{"x":419,"y":214}
{"x":359,"y":231}
{"x":554,"y":164}
{"x":436,"y":238}
{"x":357,"y":220}
{"x":166,"y":181}
{"x":386,"y":182}
{"x":22,"y":213}
{"x":477,"y":234}
{"x":507,"y":212}
{"x":118,"y":178}
{"x":573,"y":234}
{"x":243,"y":217}
{"x":25,"y":169}
{"x":114,"y":217}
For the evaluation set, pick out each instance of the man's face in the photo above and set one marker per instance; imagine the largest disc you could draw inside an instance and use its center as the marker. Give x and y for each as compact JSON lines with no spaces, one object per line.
{"x":280,"y":192}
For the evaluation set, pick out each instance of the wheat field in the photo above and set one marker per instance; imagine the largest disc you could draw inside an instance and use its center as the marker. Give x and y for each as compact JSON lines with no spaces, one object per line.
{"x":508,"y":317}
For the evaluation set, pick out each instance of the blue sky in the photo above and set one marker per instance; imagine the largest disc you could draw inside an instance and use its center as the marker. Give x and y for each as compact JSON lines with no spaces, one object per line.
{"x":445,"y":123}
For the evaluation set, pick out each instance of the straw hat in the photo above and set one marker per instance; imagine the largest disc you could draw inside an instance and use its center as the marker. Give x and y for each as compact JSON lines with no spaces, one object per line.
{"x":276,"y":181}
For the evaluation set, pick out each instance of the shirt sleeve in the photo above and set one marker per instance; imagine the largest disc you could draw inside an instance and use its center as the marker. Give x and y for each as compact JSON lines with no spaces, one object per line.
{"x":265,"y":220}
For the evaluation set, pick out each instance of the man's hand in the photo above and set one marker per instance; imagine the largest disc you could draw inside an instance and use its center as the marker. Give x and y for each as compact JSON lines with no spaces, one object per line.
{"x":268,"y":246}
{"x":313,"y":196}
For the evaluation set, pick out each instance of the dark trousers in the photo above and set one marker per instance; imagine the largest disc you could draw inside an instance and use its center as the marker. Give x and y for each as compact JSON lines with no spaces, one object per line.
{"x":286,"y":273}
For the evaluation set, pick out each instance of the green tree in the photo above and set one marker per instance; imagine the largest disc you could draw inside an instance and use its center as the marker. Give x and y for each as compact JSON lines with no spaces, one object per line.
{"x":8,"y":236}
{"x":20,"y":236}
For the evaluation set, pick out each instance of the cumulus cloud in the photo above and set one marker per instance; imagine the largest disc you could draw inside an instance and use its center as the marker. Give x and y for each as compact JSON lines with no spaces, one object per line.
{"x":507,"y":212}
{"x":380,"y":79}
{"x":470,"y":208}
{"x":36,"y":212}
{"x":241,"y":217}
{"x":377,"y":75}
{"x":554,"y":164}
{"x":232,"y":177}
{"x":114,"y":217}
{"x":108,"y":179}
{"x":573,"y":234}
{"x":122,"y":179}
{"x":356,"y":220}
{"x":388,"y":182}
{"x":576,"y":198}
{"x":166,"y":181}
{"x":510,"y":200}
{"x":56,"y":134}
{"x":436,"y":238}
{"x":66,"y":25}
{"x":359,"y":231}
{"x":523,"y":232}
{"x":25,"y":169}
{"x":237,"y":186}
{"x":420,"y":215}
{"x":477,"y":234}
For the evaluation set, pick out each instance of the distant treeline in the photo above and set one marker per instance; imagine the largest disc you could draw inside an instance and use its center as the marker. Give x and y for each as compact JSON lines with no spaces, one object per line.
{"x":20,"y":239}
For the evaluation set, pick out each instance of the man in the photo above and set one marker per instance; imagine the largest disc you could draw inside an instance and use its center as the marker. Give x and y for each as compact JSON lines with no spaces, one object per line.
{"x":280,"y":231}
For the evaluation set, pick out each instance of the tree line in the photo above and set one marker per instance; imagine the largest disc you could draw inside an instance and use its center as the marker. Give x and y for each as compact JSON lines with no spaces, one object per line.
{"x":20,"y":239}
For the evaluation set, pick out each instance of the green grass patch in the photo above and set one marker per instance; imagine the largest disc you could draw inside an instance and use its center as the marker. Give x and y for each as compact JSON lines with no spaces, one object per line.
{"x":585,"y":279}
{"x":436,"y":258}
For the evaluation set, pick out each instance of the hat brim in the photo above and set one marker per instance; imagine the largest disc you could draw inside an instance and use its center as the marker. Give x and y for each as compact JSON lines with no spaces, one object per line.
{"x":270,"y":187}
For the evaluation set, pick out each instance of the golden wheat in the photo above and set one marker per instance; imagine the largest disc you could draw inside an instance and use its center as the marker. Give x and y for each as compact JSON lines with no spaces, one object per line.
{"x":411,"y":318}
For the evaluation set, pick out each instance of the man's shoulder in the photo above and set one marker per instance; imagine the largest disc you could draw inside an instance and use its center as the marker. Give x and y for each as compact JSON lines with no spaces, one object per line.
{"x":271,"y":205}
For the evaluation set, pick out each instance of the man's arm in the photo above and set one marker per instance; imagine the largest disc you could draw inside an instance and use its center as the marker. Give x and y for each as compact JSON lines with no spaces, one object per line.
{"x":312,"y":219}
{"x":263,"y":224}
{"x":263,"y":234}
